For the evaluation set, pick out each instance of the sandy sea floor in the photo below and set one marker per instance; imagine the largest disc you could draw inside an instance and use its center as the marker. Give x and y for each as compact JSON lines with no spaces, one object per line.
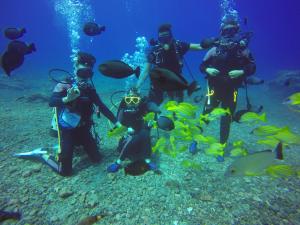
{"x":178,"y":196}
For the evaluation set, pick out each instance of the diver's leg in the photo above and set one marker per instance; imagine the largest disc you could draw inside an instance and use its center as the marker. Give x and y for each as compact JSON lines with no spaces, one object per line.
{"x":122,"y":148}
{"x":144,"y":142}
{"x":211,"y":102}
{"x":64,"y":164}
{"x":228,"y":102}
{"x":89,"y":143}
{"x":66,"y":155}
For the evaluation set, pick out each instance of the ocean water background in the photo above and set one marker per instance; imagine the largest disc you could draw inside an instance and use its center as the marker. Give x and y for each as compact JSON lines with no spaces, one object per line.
{"x":275,"y":44}
{"x":180,"y":196}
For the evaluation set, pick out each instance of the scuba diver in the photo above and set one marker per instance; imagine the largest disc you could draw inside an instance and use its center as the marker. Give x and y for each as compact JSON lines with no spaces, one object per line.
{"x":136,"y":144}
{"x":226,"y":66}
{"x":166,"y":53}
{"x":75,"y":103}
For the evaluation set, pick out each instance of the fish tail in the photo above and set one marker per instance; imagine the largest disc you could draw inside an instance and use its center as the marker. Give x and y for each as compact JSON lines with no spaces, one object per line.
{"x":137,"y":72}
{"x":263,"y":117}
{"x":278,"y":151}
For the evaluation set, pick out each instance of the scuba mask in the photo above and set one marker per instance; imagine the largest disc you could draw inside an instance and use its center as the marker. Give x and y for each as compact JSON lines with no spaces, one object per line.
{"x":165,"y":37}
{"x":229,"y":31}
{"x":132,"y":100}
{"x":86,"y":59}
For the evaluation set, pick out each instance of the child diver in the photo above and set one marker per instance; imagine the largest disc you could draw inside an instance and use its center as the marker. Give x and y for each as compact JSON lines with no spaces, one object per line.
{"x":136,"y":145}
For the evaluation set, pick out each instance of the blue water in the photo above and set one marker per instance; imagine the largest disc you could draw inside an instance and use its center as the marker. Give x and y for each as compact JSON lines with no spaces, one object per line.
{"x":275,"y":44}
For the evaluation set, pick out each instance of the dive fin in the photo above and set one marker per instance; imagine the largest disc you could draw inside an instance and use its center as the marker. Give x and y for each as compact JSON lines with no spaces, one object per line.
{"x":278,"y":151}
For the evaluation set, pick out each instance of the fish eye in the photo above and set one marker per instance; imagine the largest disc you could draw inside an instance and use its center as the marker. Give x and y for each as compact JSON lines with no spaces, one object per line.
{"x":232,"y":170}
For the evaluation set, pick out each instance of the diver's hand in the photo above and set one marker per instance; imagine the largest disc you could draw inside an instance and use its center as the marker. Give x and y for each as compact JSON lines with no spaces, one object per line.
{"x":212,"y":71}
{"x":130,"y":130}
{"x":72,"y":94}
{"x":117,"y":125}
{"x":236,"y":73}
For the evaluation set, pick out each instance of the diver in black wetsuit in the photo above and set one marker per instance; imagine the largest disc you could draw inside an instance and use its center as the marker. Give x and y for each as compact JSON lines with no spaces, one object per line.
{"x":136,"y":145}
{"x":167,"y":53}
{"x":75,"y":103}
{"x":227,"y":65}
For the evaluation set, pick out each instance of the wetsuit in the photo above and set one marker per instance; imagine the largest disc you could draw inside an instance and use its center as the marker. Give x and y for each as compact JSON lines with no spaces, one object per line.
{"x":223,"y":89}
{"x":80,"y":135}
{"x":171,"y":60}
{"x":138,"y":145}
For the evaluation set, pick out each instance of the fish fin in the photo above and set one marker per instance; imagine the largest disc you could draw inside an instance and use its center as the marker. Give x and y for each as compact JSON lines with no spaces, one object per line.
{"x":137,"y":72}
{"x":264,"y":117}
{"x":103,"y":28}
{"x":278,"y":151}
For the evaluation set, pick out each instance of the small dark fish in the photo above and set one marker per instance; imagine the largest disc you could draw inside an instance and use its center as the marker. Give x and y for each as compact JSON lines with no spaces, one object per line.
{"x":11,"y":61}
{"x":167,"y":80}
{"x":4,"y":215}
{"x":193,"y":147}
{"x":91,"y":219}
{"x":21,"y":47}
{"x":137,"y":168}
{"x":117,"y":69}
{"x":165,"y":123}
{"x":254,"y":81}
{"x":14,"y":33}
{"x":93,"y":29}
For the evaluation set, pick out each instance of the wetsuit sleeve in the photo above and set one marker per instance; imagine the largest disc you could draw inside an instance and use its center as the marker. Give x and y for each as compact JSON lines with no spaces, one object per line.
{"x":56,"y":99}
{"x":250,"y":67}
{"x":121,"y":111}
{"x":102,"y":107}
{"x":59,"y":92}
{"x":207,"y":60}
{"x":184,"y":47}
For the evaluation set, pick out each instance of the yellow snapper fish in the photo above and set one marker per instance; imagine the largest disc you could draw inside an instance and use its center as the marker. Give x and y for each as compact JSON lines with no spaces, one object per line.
{"x":187,"y":109}
{"x":238,"y":151}
{"x":268,"y":130}
{"x":255,"y":164}
{"x":287,"y":137}
{"x":238,"y":144}
{"x":191,"y":164}
{"x":294,"y":99}
{"x":160,"y":144}
{"x":216,"y":149}
{"x":280,"y":170}
{"x":116,"y":132}
{"x":218,"y":112}
{"x":252,"y":117}
{"x":170,"y":105}
{"x":205,"y":139}
{"x":149,"y":117}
